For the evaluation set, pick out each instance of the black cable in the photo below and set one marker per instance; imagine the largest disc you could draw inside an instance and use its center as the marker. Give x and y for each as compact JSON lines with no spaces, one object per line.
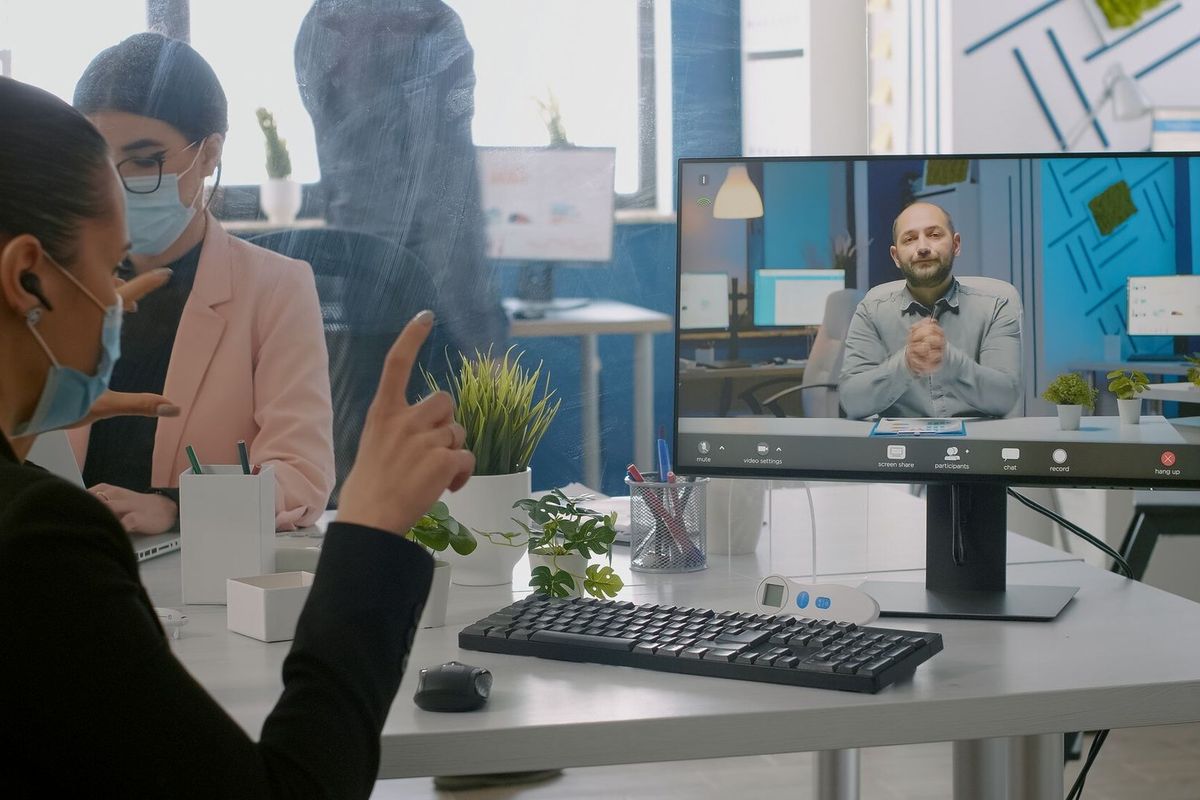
{"x":1093,"y":751}
{"x":957,"y":549}
{"x":1118,"y":560}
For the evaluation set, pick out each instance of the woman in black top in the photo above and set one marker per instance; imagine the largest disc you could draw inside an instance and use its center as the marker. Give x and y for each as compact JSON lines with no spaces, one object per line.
{"x":92,"y":701}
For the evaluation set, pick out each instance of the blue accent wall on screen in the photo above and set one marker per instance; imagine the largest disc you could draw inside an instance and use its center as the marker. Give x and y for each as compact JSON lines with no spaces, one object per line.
{"x":797,"y":224}
{"x":1084,"y":279}
{"x":888,"y":191}
{"x":706,"y":76}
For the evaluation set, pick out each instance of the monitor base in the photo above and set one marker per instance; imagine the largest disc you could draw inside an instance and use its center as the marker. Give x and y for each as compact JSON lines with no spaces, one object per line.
{"x":913,"y":599}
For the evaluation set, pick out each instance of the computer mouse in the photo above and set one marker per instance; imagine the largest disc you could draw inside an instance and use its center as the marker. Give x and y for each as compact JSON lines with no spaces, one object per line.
{"x":453,"y":687}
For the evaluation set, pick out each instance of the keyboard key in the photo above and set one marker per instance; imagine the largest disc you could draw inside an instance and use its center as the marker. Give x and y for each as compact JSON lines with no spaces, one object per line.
{"x":646,"y":648}
{"x":669,"y":650}
{"x":788,"y":662}
{"x":748,"y":657}
{"x":694,"y":652}
{"x":720,"y":655}
{"x":583,"y":640}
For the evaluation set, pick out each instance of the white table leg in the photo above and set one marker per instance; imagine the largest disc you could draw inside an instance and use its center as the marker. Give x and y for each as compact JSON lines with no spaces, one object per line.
{"x":643,"y":400}
{"x":589,"y":367}
{"x":1036,"y":767}
{"x":836,"y":775}
{"x":981,"y":769}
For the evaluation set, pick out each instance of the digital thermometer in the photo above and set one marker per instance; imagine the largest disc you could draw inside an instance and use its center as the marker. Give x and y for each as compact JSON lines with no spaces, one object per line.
{"x":779,"y":595}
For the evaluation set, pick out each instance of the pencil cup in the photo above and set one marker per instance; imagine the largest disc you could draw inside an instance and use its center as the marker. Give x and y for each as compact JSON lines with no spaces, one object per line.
{"x":667,"y":525}
{"x":226,"y":529}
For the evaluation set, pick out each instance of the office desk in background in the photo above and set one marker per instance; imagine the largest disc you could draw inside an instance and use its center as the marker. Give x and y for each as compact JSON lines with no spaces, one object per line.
{"x":1002,"y":691}
{"x":589,"y":321}
{"x":764,"y":373}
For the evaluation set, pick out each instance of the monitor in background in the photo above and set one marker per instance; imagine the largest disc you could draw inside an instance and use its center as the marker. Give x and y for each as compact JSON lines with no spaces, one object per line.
{"x":1164,"y":305}
{"x":1021,"y":263}
{"x":793,"y":297}
{"x":544,"y":207}
{"x":703,"y":301}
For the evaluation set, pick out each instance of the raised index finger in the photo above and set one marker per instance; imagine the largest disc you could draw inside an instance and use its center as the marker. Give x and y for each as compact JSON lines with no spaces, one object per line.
{"x":393,"y":384}
{"x":136,"y":288}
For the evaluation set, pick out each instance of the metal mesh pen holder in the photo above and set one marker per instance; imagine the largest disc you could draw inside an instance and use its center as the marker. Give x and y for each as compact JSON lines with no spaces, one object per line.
{"x":667,"y":526}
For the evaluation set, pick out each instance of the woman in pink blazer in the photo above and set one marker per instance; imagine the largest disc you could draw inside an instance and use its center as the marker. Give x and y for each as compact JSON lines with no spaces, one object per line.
{"x":235,"y":338}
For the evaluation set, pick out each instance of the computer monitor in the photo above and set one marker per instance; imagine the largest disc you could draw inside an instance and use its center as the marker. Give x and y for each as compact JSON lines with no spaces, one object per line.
{"x":792,"y":298}
{"x":1006,"y":272}
{"x":703,"y":301}
{"x":547,"y":206}
{"x":1164,"y":305}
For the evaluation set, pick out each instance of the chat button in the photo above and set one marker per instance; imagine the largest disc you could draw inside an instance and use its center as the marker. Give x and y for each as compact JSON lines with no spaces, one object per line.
{"x":1010,"y":453}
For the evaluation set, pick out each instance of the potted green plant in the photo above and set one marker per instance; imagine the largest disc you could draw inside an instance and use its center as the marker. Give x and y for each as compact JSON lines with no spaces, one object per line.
{"x":437,"y":531}
{"x":1193,"y":373}
{"x":279,"y":197}
{"x":1071,"y":394}
{"x":1127,"y":386}
{"x":562,"y":536}
{"x":505,"y":410}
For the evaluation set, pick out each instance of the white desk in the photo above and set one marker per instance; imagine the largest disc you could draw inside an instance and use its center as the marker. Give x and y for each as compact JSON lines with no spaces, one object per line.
{"x":1181,"y":392}
{"x":993,"y":681}
{"x":588,"y":322}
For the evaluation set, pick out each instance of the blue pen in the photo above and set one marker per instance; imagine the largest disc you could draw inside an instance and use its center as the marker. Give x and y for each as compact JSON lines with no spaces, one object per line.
{"x":664,"y":461}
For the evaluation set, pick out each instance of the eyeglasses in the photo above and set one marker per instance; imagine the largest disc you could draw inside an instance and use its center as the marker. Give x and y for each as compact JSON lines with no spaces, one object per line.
{"x":143,"y":174}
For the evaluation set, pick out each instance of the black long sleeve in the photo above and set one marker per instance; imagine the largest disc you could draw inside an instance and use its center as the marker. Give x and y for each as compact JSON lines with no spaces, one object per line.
{"x":93,"y":702}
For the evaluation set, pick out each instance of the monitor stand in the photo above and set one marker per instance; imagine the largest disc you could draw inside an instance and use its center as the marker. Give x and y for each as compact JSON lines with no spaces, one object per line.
{"x":965,"y":575}
{"x":535,"y":293}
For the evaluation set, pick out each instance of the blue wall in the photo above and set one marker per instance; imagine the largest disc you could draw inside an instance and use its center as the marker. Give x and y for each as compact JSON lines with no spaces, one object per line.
{"x":800,"y":225}
{"x":707,"y":114}
{"x":1085,"y":272}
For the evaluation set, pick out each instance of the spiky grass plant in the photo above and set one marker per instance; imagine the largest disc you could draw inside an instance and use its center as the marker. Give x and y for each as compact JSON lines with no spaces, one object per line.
{"x":498,"y":404}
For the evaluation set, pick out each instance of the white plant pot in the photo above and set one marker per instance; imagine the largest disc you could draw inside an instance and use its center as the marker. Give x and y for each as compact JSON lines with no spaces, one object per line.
{"x":734,"y":515}
{"x":1130,"y":410}
{"x":279,"y":199}
{"x":1069,"y":416}
{"x":486,"y":504}
{"x":573,"y":563}
{"x":434,"y":615}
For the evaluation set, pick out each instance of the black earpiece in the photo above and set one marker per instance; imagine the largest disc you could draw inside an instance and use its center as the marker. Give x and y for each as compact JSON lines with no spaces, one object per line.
{"x":32,"y":284}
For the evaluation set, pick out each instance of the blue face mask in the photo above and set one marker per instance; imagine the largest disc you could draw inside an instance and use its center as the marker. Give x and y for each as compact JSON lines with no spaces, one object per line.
{"x":68,"y":394}
{"x":157,"y":218}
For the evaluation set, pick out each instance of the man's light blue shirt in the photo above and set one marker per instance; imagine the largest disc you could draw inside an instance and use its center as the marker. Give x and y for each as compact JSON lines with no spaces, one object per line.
{"x":980,"y":374}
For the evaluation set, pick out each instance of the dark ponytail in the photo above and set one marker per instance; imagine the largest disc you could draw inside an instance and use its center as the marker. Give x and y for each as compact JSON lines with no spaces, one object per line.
{"x":51,"y":161}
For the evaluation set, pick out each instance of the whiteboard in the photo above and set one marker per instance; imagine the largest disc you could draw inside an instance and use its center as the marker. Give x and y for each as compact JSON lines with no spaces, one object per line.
{"x":548,"y":204}
{"x":1166,"y":305}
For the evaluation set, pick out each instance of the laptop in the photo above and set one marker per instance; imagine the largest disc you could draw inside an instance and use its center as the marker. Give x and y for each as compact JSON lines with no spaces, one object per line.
{"x":52,"y":452}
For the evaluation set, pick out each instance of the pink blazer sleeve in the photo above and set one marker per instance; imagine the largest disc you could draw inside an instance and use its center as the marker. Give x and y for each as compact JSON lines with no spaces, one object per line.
{"x":292,"y":405}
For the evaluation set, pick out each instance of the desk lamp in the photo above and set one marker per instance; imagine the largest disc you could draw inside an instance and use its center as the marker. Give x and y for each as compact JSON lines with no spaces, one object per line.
{"x":1128,"y":99}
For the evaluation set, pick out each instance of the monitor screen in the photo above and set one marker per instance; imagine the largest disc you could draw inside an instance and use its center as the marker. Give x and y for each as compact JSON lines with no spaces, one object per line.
{"x":1167,"y":305}
{"x":703,"y":301}
{"x":548,"y":204}
{"x":965,"y":285}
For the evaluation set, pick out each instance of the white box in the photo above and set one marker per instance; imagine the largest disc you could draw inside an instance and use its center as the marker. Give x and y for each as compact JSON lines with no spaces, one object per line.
{"x":226,"y":527}
{"x":267,"y":607}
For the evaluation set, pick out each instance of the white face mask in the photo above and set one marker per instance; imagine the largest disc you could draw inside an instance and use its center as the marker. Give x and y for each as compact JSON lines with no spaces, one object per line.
{"x":156,"y":219}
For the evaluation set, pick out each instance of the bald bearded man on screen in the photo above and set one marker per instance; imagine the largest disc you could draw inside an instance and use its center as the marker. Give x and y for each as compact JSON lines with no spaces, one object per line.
{"x":931,"y":345}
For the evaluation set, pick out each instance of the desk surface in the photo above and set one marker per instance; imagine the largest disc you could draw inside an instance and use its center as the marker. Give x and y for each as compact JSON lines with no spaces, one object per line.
{"x":596,"y":317}
{"x":992,"y":679}
{"x":1180,"y":392}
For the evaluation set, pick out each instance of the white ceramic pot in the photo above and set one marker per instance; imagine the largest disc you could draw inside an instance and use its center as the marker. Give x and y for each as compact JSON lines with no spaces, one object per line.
{"x":434,"y":615}
{"x":573,"y":563}
{"x":279,"y":199}
{"x":1069,"y":416}
{"x":734,"y":515}
{"x":1130,"y":410}
{"x":486,"y":504}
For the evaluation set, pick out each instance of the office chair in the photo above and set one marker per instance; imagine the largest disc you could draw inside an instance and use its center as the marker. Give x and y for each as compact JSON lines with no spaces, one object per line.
{"x":369,"y":288}
{"x":818,"y":390}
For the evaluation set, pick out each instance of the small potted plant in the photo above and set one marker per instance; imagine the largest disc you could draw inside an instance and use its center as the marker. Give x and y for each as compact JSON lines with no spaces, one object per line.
{"x":1127,"y":386}
{"x":1193,"y":373}
{"x":279,"y":198}
{"x":505,"y":414}
{"x":561,"y":541}
{"x":437,"y":531}
{"x":1071,"y":394}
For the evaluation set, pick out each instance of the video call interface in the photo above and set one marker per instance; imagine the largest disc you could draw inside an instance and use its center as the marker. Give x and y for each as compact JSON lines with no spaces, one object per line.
{"x":904,"y":316}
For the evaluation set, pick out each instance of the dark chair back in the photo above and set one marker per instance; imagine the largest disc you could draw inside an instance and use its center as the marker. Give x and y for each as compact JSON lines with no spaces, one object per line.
{"x":369,"y":288}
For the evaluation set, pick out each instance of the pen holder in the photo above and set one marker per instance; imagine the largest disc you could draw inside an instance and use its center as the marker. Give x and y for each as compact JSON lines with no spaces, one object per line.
{"x":667,"y":525}
{"x":226,"y":529}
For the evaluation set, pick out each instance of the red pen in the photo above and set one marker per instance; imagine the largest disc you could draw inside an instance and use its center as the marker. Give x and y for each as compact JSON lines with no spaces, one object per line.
{"x":634,"y":474}
{"x":256,"y":469}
